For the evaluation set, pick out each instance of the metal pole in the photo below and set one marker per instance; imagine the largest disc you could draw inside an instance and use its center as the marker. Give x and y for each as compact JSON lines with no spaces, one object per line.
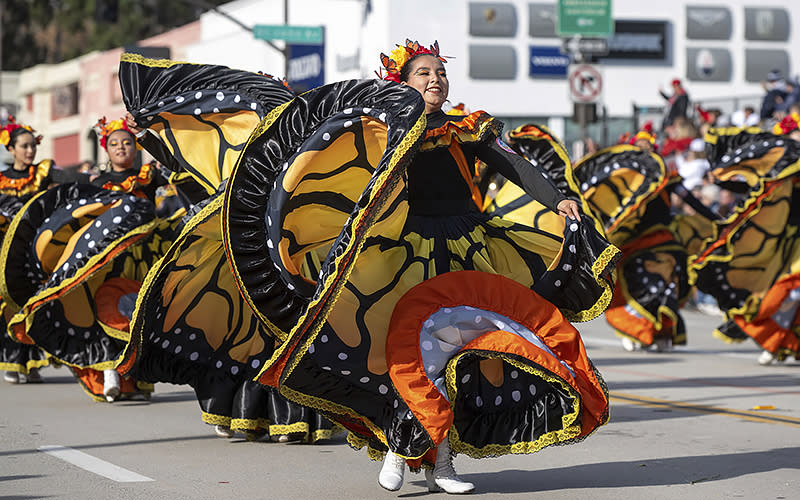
{"x":286,"y":44}
{"x":2,"y":8}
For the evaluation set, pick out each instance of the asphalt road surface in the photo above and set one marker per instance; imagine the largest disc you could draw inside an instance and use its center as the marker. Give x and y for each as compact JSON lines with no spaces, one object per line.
{"x":703,"y":422}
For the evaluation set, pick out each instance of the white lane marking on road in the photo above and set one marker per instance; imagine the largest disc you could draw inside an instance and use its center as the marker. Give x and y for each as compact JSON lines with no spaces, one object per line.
{"x":94,"y":464}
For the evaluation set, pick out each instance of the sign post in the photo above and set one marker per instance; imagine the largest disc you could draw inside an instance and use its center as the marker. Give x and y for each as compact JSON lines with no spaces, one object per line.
{"x":577,"y":19}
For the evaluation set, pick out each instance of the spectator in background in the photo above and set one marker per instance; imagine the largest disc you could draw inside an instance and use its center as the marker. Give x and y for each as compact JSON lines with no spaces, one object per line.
{"x":746,"y":117}
{"x":707,"y":118}
{"x":679,"y":136}
{"x":775,"y":86}
{"x":694,"y":165}
{"x":677,"y":104}
{"x":727,"y":201}
{"x":790,"y":98}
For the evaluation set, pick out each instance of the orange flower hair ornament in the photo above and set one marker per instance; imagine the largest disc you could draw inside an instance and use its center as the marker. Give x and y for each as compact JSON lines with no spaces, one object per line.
{"x":642,"y":134}
{"x":12,"y":125}
{"x":788,"y":124}
{"x":393,"y":64}
{"x":645,"y":133}
{"x":104,"y":129}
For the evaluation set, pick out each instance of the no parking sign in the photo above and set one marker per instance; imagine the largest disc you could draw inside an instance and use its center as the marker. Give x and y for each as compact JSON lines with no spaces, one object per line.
{"x":585,"y":83}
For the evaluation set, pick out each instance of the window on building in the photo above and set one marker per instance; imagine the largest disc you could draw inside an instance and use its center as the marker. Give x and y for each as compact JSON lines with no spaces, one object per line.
{"x":65,"y":101}
{"x":66,"y":150}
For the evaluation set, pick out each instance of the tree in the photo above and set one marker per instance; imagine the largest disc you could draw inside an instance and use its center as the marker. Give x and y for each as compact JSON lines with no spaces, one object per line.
{"x":51,"y":31}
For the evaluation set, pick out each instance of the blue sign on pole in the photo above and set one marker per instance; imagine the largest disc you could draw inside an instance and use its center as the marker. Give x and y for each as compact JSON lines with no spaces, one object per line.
{"x":547,"y":61}
{"x":306,"y":69}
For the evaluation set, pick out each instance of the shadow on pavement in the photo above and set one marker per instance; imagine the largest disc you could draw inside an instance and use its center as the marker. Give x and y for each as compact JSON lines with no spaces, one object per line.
{"x":24,"y":497}
{"x":17,"y":478}
{"x":762,"y":383}
{"x":28,"y":451}
{"x":634,"y":359}
{"x":655,"y":472}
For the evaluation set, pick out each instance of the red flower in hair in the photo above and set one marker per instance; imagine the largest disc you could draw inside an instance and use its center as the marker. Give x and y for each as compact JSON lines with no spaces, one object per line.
{"x":12,"y":125}
{"x":788,"y":124}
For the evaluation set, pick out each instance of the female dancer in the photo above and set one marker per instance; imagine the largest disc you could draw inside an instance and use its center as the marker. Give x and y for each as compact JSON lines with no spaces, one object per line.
{"x":92,"y":247}
{"x":17,"y":184}
{"x":413,"y":318}
{"x":192,"y":325}
{"x":751,"y":265}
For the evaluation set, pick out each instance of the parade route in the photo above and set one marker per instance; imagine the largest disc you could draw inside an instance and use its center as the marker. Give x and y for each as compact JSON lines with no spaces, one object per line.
{"x":705,"y":421}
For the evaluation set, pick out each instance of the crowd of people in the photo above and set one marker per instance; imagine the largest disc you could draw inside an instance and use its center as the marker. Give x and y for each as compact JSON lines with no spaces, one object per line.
{"x":335,"y":261}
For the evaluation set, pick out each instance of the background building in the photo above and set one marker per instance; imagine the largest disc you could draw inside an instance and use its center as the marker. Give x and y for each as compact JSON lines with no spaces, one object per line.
{"x":504,"y":58}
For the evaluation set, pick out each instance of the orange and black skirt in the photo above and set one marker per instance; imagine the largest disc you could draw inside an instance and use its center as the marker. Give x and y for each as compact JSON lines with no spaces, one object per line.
{"x":317,"y":228}
{"x":191,"y":325}
{"x":751,"y":265}
{"x":73,"y":261}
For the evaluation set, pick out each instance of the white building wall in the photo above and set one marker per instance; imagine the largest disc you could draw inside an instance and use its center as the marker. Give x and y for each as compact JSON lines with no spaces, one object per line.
{"x":391,"y":21}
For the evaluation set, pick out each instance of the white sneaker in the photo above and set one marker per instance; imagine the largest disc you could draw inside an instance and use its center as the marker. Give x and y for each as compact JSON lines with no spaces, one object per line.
{"x":766,"y":358}
{"x":11,"y":377}
{"x":663,"y":344}
{"x":391,"y":475}
{"x":223,"y":431}
{"x":443,"y":476}
{"x":629,"y":345}
{"x":111,"y":385}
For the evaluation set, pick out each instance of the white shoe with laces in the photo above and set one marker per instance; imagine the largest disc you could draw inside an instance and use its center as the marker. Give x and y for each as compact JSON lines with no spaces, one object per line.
{"x":11,"y":377}
{"x":111,"y":385}
{"x":443,"y":476}
{"x":391,"y":474}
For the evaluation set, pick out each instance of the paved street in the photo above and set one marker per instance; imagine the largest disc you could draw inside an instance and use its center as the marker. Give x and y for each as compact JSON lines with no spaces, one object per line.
{"x":683,"y":426}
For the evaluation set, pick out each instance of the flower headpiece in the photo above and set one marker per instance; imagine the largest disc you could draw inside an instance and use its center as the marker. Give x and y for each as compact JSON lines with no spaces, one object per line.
{"x":283,"y":81}
{"x":647,"y":134}
{"x":104,"y":129}
{"x":394,"y":63}
{"x":12,"y":125}
{"x":788,"y":124}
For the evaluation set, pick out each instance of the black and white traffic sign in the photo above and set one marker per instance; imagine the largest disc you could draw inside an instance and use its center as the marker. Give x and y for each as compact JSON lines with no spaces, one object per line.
{"x":585,"y":83}
{"x":589,"y":46}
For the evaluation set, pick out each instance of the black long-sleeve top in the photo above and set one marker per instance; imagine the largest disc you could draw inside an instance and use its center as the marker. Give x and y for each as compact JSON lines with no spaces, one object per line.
{"x":436,"y":186}
{"x":40,"y":177}
{"x":54,"y":176}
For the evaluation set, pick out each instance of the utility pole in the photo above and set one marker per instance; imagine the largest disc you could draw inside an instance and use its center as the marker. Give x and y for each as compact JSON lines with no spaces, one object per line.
{"x":2,"y":8}
{"x":286,"y":54}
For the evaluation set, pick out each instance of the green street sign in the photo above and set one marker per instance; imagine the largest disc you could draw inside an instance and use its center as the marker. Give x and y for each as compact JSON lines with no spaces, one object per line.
{"x":585,"y":17}
{"x":308,"y":35}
